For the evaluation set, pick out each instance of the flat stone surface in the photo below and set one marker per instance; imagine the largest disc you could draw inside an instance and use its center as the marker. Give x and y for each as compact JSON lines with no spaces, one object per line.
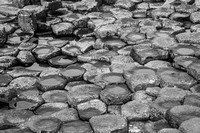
{"x":43,"y":53}
{"x":169,"y":130}
{"x":76,"y":126}
{"x":144,"y":55}
{"x":82,"y":93}
{"x":106,"y":31}
{"x":91,"y":108}
{"x":66,"y":115}
{"x":182,"y":62}
{"x":190,"y":125}
{"x":5,"y":79}
{"x":193,"y":69}
{"x":108,"y":123}
{"x":136,"y":110}
{"x":194,"y":17}
{"x":140,"y":78}
{"x":23,"y":83}
{"x":43,"y":124}
{"x":172,"y":77}
{"x":51,"y":108}
{"x":52,"y":83}
{"x":7,"y":94}
{"x":26,"y":58}
{"x":62,"y":29}
{"x":188,"y":37}
{"x":164,"y":42}
{"x":156,"y":126}
{"x":178,"y":114}
{"x":173,"y":92}
{"x":115,"y":94}
{"x":55,"y":96}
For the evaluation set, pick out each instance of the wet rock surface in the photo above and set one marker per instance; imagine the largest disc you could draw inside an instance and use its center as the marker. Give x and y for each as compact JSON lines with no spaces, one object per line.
{"x":99,"y":66}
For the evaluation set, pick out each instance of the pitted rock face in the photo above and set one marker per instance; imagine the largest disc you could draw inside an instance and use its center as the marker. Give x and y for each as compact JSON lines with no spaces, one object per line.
{"x":27,"y":21}
{"x":3,"y":37}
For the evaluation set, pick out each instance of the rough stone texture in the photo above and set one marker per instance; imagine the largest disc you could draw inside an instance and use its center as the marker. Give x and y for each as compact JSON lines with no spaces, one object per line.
{"x":27,"y":21}
{"x":164,"y":42}
{"x":7,"y":61}
{"x":106,"y":31}
{"x":194,"y":17}
{"x":169,"y":130}
{"x":43,"y":124}
{"x":76,"y":127}
{"x":23,"y":83}
{"x":136,"y":110}
{"x":178,"y":114}
{"x":26,"y":57}
{"x":99,"y":66}
{"x":174,"y":93}
{"x":21,"y":71}
{"x":115,"y":94}
{"x":82,"y":93}
{"x":7,"y":94}
{"x":140,"y":78}
{"x":43,"y":53}
{"x":193,"y":69}
{"x":38,"y":10}
{"x":190,"y":126}
{"x":188,"y":37}
{"x":172,"y":77}
{"x":91,"y":108}
{"x":109,"y":123}
{"x":62,"y":29}
{"x":4,"y":36}
{"x":66,"y":115}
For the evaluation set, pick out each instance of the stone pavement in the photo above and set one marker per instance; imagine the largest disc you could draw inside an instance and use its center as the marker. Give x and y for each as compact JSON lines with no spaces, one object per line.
{"x":99,"y":66}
